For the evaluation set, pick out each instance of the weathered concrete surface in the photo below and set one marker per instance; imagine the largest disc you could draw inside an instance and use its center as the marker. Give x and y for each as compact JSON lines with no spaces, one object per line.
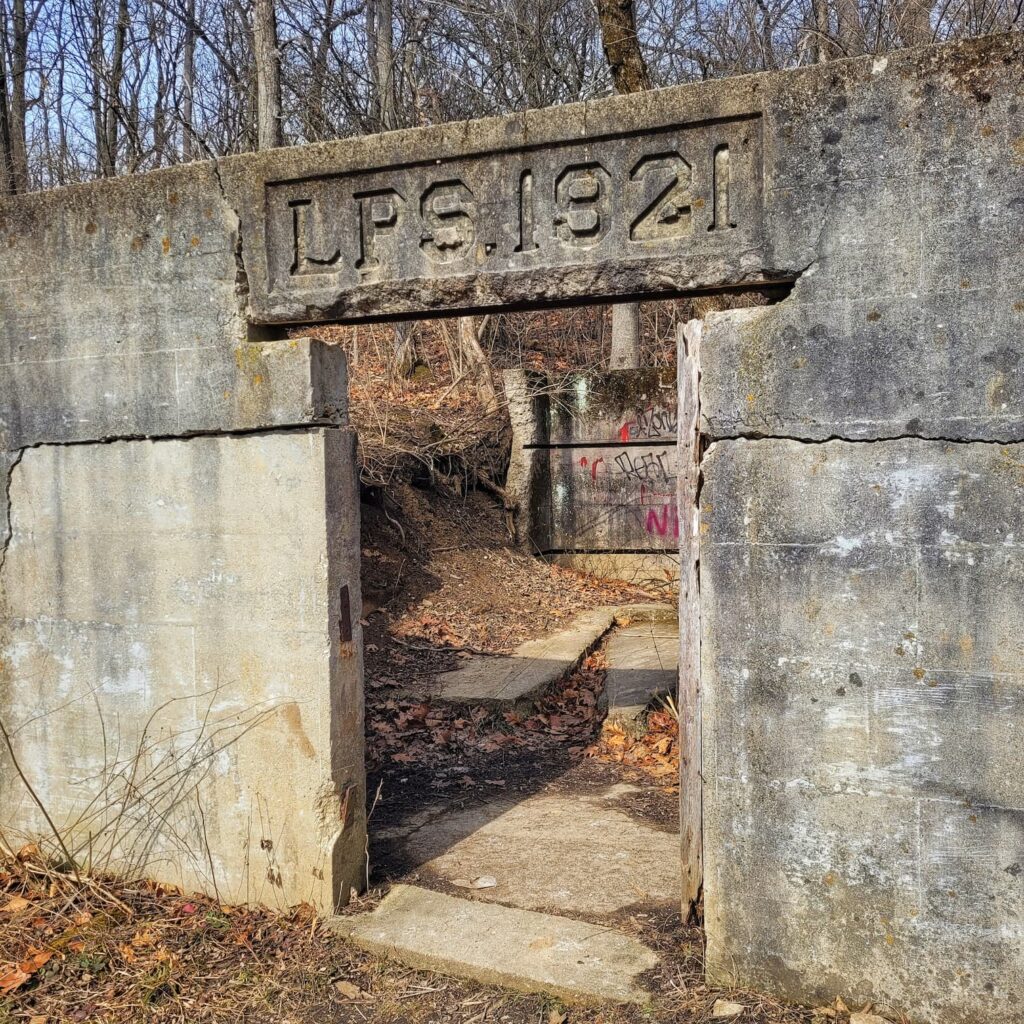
{"x":653,"y":570}
{"x":532,"y":668}
{"x":592,"y":470}
{"x":863,"y":665}
{"x":180,"y":666}
{"x":903,"y":174}
{"x":581,"y":200}
{"x":643,"y":663}
{"x":560,"y":852}
{"x":617,"y":408}
{"x":125,"y":316}
{"x":574,"y":960}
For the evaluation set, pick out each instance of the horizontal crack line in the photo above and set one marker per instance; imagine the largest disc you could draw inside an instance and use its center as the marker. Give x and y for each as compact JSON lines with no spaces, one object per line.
{"x":758,"y":436}
{"x":284,"y":428}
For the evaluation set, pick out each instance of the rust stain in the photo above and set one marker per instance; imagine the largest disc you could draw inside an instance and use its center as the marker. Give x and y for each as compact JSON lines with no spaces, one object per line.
{"x":293,"y":719}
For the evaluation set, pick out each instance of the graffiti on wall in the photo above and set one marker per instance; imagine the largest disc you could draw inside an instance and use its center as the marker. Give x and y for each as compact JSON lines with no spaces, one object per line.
{"x":615,"y":498}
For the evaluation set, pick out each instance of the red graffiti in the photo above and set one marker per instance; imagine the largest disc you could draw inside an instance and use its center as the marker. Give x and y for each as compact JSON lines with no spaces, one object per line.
{"x":661,"y":523}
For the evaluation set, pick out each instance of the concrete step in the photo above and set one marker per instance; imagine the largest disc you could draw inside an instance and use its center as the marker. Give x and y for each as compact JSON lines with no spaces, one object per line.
{"x":538,"y":664}
{"x":531,"y":669}
{"x":520,"y":949}
{"x":643,"y":664}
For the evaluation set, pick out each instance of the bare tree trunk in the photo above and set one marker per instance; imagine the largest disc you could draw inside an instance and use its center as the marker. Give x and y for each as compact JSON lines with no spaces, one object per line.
{"x":269,"y":133}
{"x":821,"y":45}
{"x":113,"y":99}
{"x":383,"y":53}
{"x":405,"y":349}
{"x":850,"y":28}
{"x":621,"y":46}
{"x":629,"y":74}
{"x":188,"y":82}
{"x":477,"y":362}
{"x":625,"y":354}
{"x":96,"y":61}
{"x":316,"y":116}
{"x":18,"y":102}
{"x":7,"y":172}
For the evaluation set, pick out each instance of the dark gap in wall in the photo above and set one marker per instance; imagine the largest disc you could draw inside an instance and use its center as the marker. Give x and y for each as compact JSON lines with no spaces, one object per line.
{"x":754,"y":293}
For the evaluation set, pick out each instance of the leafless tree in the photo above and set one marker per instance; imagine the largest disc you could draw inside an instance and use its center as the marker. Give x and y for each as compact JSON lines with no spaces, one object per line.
{"x":101,"y":87}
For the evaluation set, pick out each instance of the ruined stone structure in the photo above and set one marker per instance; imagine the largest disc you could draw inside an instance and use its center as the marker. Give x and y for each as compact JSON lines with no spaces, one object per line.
{"x":593,"y":470}
{"x":179,"y":572}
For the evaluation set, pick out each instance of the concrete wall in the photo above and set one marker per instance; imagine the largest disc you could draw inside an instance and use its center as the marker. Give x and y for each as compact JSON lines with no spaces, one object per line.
{"x":180,"y":662}
{"x":181,"y":690}
{"x":855,"y":493}
{"x":593,"y":470}
{"x":861,"y":569}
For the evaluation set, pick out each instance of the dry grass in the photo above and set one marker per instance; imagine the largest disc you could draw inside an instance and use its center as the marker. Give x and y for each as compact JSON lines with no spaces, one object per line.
{"x":118,"y":952}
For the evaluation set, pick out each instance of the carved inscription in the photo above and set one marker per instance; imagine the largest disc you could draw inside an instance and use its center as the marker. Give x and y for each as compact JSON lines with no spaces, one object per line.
{"x":685,"y":190}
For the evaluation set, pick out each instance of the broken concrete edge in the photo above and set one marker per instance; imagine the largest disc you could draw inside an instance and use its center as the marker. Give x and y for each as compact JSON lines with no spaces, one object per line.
{"x":440,"y":953}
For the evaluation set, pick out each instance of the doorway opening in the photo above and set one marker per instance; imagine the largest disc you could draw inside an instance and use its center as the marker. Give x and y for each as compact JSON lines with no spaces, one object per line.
{"x":520,"y":561}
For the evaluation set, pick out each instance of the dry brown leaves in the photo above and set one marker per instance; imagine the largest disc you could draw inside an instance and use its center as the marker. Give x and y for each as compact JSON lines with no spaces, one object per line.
{"x":120,"y":952}
{"x":655,"y":752}
{"x":406,"y":731}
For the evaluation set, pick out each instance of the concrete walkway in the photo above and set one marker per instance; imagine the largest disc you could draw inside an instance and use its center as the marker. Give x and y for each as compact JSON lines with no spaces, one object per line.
{"x":497,"y":945}
{"x":643,"y":664}
{"x":528,"y":889}
{"x":529,"y":892}
{"x":538,"y":664}
{"x":531,"y":669}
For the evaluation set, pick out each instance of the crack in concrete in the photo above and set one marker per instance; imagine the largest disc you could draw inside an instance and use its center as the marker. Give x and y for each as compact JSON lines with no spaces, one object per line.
{"x":9,"y":531}
{"x":759,"y":436}
{"x":188,"y":435}
{"x":241,"y":274}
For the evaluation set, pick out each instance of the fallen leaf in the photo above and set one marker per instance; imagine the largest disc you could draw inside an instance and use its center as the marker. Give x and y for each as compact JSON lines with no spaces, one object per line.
{"x":482,"y":882}
{"x":15,"y":979}
{"x":348,"y":990}
{"x":37,"y":958}
{"x":726,"y":1008}
{"x":15,"y":904}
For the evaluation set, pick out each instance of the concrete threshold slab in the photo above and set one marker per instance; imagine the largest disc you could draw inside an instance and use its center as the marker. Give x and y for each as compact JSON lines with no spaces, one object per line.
{"x":556,"y":852}
{"x":519,"y":949}
{"x":643,"y":663}
{"x":538,"y":664}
